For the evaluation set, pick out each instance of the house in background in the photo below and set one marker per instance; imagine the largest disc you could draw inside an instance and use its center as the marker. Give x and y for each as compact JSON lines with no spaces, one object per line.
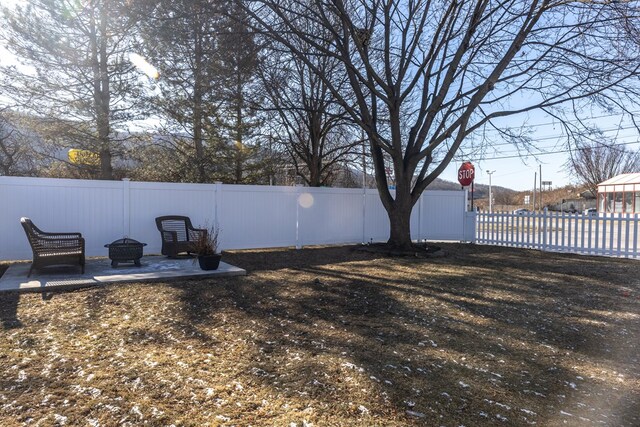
{"x":620,"y":194}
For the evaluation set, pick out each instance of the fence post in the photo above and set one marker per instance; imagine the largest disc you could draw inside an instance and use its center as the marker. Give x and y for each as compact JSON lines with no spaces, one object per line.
{"x":298,"y":189}
{"x":364,"y":215}
{"x":420,"y":217}
{"x":464,"y":215}
{"x":218,"y":200}
{"x":126,"y":207}
{"x":544,"y":229}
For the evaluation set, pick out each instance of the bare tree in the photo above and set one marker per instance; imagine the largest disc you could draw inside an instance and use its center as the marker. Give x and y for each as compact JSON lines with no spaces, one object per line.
{"x":427,"y":75}
{"x":17,"y":156}
{"x":315,"y":129}
{"x":594,"y":163}
{"x":76,"y":73}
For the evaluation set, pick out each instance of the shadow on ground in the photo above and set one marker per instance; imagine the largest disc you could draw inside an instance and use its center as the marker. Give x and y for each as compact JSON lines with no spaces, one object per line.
{"x":485,"y":336}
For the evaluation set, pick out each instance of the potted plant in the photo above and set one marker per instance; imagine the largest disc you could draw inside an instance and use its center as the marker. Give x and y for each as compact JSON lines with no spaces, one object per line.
{"x":206,"y":246}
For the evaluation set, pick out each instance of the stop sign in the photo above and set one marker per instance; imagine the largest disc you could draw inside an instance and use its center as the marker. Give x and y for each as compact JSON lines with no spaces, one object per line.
{"x":466,"y":173}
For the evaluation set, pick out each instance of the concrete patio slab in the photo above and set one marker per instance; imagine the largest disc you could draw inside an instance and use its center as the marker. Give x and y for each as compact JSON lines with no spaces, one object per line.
{"x":99,"y":271}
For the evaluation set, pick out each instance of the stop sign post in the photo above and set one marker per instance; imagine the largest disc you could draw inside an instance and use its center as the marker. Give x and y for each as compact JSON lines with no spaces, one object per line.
{"x":466,"y":174}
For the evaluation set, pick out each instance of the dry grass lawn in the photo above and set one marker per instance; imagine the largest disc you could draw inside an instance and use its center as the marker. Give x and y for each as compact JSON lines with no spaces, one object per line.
{"x":335,"y":337}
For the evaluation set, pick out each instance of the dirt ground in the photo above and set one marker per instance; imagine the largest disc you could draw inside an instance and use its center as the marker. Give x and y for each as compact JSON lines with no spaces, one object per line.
{"x":335,"y":337}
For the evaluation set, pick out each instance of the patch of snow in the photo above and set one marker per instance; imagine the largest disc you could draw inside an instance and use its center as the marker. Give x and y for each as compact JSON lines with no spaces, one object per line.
{"x":363,"y":409}
{"x":463,"y":385}
{"x":112,"y":408}
{"x":60,"y":419}
{"x":502,"y":405}
{"x":352,"y":366}
{"x":135,"y":410}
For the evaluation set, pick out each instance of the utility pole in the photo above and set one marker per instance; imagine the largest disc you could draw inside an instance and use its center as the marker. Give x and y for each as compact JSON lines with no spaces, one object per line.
{"x":541,"y":205}
{"x":490,"y":191}
{"x":535,"y":179}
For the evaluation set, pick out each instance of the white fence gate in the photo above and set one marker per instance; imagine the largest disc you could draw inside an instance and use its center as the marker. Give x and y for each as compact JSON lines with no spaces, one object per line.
{"x":611,"y":235}
{"x":250,"y":216}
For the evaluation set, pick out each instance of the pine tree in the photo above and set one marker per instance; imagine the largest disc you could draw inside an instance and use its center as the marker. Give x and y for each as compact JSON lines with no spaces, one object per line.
{"x":75,"y":72}
{"x":180,"y":40}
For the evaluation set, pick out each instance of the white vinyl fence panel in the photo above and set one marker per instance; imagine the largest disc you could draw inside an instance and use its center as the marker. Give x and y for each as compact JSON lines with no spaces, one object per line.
{"x":610,"y":235}
{"x":255,"y":216}
{"x":249,"y":216}
{"x":148,"y":200}
{"x":65,"y":205}
{"x":441,"y":216}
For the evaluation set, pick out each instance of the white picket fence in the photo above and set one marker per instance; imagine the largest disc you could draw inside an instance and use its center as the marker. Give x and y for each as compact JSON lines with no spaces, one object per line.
{"x":610,"y":235}
{"x":250,"y":216}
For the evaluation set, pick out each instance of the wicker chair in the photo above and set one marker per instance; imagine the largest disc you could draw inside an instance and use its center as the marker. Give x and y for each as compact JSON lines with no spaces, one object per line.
{"x":53,"y":248}
{"x":178,"y":235}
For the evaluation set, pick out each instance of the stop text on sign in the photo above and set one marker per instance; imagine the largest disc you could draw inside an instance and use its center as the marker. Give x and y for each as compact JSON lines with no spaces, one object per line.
{"x":466,"y":174}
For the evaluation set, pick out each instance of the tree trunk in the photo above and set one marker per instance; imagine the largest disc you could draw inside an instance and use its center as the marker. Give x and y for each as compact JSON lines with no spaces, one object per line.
{"x":197,"y":103}
{"x":400,"y":222}
{"x":106,"y":170}
{"x":239,"y":140}
{"x":314,"y":172}
{"x":101,"y":94}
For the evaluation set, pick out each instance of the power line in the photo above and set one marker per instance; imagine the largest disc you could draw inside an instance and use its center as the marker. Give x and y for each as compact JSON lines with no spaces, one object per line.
{"x":540,"y":149}
{"x":559,"y":122}
{"x":538,"y":154}
{"x":559,"y":136}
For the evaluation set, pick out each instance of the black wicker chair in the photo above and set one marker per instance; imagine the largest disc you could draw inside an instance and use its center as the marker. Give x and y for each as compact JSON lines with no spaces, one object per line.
{"x":178,"y":235}
{"x":53,"y":248}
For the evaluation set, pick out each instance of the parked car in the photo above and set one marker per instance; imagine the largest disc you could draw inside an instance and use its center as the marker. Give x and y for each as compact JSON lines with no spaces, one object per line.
{"x":591,"y":212}
{"x":521,"y":211}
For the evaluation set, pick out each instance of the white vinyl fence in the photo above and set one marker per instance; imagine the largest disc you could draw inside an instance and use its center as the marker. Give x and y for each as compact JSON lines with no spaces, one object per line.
{"x":249,"y":216}
{"x":610,"y":235}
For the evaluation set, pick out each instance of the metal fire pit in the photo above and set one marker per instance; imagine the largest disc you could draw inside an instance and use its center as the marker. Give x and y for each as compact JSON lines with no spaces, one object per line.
{"x":125,"y":250}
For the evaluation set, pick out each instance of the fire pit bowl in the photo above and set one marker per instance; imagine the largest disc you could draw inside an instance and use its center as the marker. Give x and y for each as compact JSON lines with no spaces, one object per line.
{"x":125,"y":250}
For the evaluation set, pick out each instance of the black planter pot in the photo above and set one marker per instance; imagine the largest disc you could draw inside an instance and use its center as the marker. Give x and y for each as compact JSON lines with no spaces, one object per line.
{"x":209,"y":262}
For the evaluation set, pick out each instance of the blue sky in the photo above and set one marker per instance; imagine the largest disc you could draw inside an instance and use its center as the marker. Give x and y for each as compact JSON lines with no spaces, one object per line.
{"x":517,"y":173}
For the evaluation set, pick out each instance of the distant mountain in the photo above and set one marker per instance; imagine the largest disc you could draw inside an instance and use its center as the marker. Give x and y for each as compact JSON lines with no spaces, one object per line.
{"x":480,"y":191}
